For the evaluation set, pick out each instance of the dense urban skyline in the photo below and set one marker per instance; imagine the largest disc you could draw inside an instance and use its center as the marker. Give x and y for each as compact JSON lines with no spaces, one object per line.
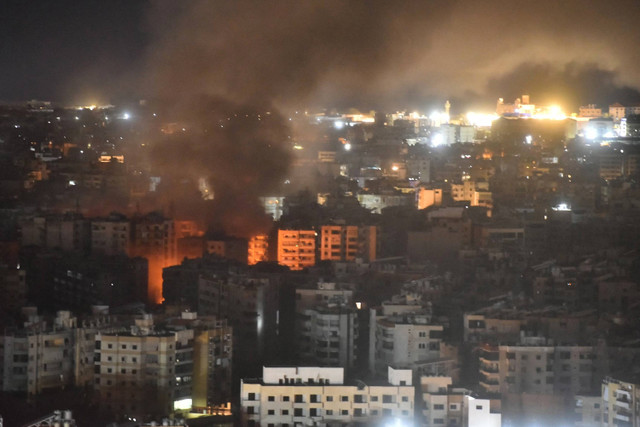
{"x":284,"y":213}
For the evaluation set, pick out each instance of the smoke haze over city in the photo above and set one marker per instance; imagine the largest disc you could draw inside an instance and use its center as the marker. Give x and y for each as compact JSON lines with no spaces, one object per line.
{"x":369,"y":55}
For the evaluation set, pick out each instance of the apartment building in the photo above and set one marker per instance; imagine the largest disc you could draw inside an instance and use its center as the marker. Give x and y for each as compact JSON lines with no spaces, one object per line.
{"x":405,"y":340}
{"x":42,"y":356}
{"x":183,"y":365}
{"x":297,"y":248}
{"x":620,"y":403}
{"x":111,"y":235}
{"x":348,"y":242}
{"x":299,"y":395}
{"x":443,"y":404}
{"x":327,"y":332}
{"x":258,"y":247}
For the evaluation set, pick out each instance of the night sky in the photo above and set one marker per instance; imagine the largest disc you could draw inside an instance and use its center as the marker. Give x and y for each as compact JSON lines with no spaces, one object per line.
{"x":373,"y":54}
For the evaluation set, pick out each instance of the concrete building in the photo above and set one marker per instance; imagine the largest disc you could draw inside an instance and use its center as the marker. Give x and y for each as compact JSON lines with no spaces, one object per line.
{"x":258,"y":249}
{"x":620,"y":403}
{"x":537,"y":374}
{"x":111,"y":235}
{"x":135,"y":370}
{"x":327,"y":327}
{"x":42,"y":357}
{"x":250,"y":305}
{"x":301,"y":395}
{"x":617,"y":111}
{"x":590,"y":111}
{"x":466,"y":190}
{"x":153,"y":237}
{"x":429,"y":197}
{"x":377,"y":202}
{"x":64,"y":232}
{"x":228,"y":247}
{"x":442,"y":404}
{"x":297,"y":248}
{"x":348,"y":243}
{"x":588,"y":410}
{"x":406,"y":340}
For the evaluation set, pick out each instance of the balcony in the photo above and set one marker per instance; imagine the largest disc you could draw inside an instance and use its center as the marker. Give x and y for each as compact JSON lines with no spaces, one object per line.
{"x":623,"y":403}
{"x":490,"y":386}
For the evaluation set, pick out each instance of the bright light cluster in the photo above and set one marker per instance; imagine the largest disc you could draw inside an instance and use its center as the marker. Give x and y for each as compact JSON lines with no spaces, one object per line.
{"x":480,"y":119}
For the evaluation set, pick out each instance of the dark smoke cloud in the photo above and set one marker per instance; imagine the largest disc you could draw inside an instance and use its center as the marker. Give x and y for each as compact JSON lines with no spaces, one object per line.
{"x":385,"y":54}
{"x":566,"y":84}
{"x":240,"y":150}
{"x":213,"y":59}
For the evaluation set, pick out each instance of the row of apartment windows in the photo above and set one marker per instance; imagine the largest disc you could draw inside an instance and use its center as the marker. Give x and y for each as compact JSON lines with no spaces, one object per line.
{"x":317,"y":412}
{"x":316,"y":398}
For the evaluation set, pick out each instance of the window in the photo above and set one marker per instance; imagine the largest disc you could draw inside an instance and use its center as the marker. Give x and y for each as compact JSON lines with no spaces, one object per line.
{"x":358,"y":412}
{"x":329,"y":398}
{"x":313,"y":412}
{"x":438,"y":420}
{"x":298,"y":398}
{"x":285,"y":398}
{"x":405,"y":398}
{"x":271,"y":412}
{"x":314,"y":398}
{"x":374,"y":412}
{"x":271,"y":398}
{"x":252,"y":396}
{"x":479,"y":407}
{"x":285,"y":412}
{"x":374,"y":398}
{"x":453,"y":407}
{"x":329,"y":412}
{"x":344,"y":412}
{"x":358,"y":398}
{"x":387,"y":398}
{"x":297,"y":412}
{"x":250,"y":410}
{"x":344,"y":398}
{"x":438,"y":407}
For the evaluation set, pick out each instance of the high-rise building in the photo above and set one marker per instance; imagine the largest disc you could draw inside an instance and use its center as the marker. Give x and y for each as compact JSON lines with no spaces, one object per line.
{"x":327,"y":327}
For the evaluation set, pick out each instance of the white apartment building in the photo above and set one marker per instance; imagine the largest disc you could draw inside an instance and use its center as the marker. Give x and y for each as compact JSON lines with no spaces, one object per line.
{"x":404,"y":340}
{"x":620,"y":403}
{"x":445,"y":405}
{"x":291,"y":396}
